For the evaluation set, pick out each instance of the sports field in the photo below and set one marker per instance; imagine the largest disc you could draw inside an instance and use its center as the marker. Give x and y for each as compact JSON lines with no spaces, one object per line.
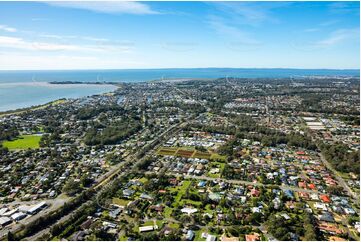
{"x":23,"y":142}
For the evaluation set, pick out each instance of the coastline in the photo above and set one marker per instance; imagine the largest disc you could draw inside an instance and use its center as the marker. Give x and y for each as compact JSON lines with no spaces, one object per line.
{"x":81,"y":83}
{"x":54,"y":94}
{"x":25,"y":109}
{"x":26,"y":89}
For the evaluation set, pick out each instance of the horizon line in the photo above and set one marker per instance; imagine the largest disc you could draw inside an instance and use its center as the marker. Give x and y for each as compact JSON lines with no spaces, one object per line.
{"x":170,"y":68}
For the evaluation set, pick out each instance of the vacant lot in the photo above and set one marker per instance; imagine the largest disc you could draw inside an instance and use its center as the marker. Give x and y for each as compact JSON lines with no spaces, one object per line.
{"x":23,"y":142}
{"x":167,"y":151}
{"x":120,"y":202}
{"x":189,"y":152}
{"x":202,"y":155}
{"x":185,"y":153}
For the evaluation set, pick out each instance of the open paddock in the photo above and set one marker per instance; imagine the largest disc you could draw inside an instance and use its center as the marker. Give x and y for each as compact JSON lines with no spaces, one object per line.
{"x":189,"y":152}
{"x":185,"y":153}
{"x":167,"y":151}
{"x":202,"y":155}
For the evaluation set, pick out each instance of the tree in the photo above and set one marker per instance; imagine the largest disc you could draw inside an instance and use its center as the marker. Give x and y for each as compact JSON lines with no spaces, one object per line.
{"x":72,"y":187}
{"x":10,"y":236}
{"x":309,"y":228}
{"x":201,"y":148}
{"x":85,"y":180}
{"x":335,"y":190}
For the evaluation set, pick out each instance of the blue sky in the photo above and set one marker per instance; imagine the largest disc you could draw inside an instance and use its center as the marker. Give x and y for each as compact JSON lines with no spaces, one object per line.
{"x":123,"y":35}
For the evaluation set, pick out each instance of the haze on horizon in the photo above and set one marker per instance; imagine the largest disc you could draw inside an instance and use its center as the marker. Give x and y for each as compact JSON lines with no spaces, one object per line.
{"x":136,"y":35}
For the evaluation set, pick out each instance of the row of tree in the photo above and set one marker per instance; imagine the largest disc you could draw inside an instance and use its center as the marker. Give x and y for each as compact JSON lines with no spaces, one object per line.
{"x":113,"y":133}
{"x":341,"y":157}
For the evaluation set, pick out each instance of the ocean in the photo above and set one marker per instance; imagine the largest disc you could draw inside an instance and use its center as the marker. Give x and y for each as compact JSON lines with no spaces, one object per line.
{"x":20,"y":89}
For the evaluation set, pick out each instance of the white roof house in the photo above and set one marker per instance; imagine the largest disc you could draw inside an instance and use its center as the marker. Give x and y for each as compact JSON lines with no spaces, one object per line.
{"x":3,"y":210}
{"x":24,"y":208}
{"x":146,"y":228}
{"x":18,"y":216}
{"x":36,"y":208}
{"x":211,"y":238}
{"x":4,"y":221}
{"x":320,"y":206}
{"x":11,"y":212}
{"x":189,"y":211}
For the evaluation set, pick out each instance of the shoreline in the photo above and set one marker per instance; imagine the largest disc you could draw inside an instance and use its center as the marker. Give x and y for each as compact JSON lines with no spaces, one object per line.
{"x":81,"y":83}
{"x":117,"y":85}
{"x":34,"y":107}
{"x":58,"y":100}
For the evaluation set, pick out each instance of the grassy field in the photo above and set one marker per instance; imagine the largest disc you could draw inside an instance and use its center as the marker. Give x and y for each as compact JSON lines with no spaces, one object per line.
{"x":182,"y":190}
{"x":23,"y":142}
{"x":120,"y":202}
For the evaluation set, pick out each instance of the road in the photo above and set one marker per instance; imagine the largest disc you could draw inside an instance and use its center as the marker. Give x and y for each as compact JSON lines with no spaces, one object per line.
{"x":340,"y":180}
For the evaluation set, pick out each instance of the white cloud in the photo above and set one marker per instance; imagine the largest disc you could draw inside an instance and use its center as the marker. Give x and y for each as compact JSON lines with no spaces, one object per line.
{"x":54,"y":36}
{"x":312,"y":30}
{"x":320,"y":26}
{"x":30,"y":61}
{"x":231,"y":31}
{"x":65,"y":37}
{"x":7,"y":28}
{"x":108,"y":7}
{"x":250,"y":13}
{"x":19,"y":43}
{"x":94,"y":38}
{"x":239,"y":19}
{"x":329,"y":23}
{"x":339,"y":36}
{"x":344,"y":7}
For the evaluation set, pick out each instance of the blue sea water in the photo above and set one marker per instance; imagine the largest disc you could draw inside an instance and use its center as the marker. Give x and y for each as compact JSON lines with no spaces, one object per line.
{"x":25,"y":94}
{"x":19,"y":89}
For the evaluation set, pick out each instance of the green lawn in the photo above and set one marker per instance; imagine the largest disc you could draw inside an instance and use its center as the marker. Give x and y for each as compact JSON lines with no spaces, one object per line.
{"x":123,"y":238}
{"x":188,"y":201}
{"x":168,"y":212}
{"x":216,"y":156}
{"x":143,"y":180}
{"x":215,"y":164}
{"x":344,"y":175}
{"x":173,"y":225}
{"x":218,"y":175}
{"x":198,"y":234}
{"x":148,"y":223}
{"x":160,"y":224}
{"x":120,"y":202}
{"x":182,"y":190}
{"x":208,"y":209}
{"x":23,"y":142}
